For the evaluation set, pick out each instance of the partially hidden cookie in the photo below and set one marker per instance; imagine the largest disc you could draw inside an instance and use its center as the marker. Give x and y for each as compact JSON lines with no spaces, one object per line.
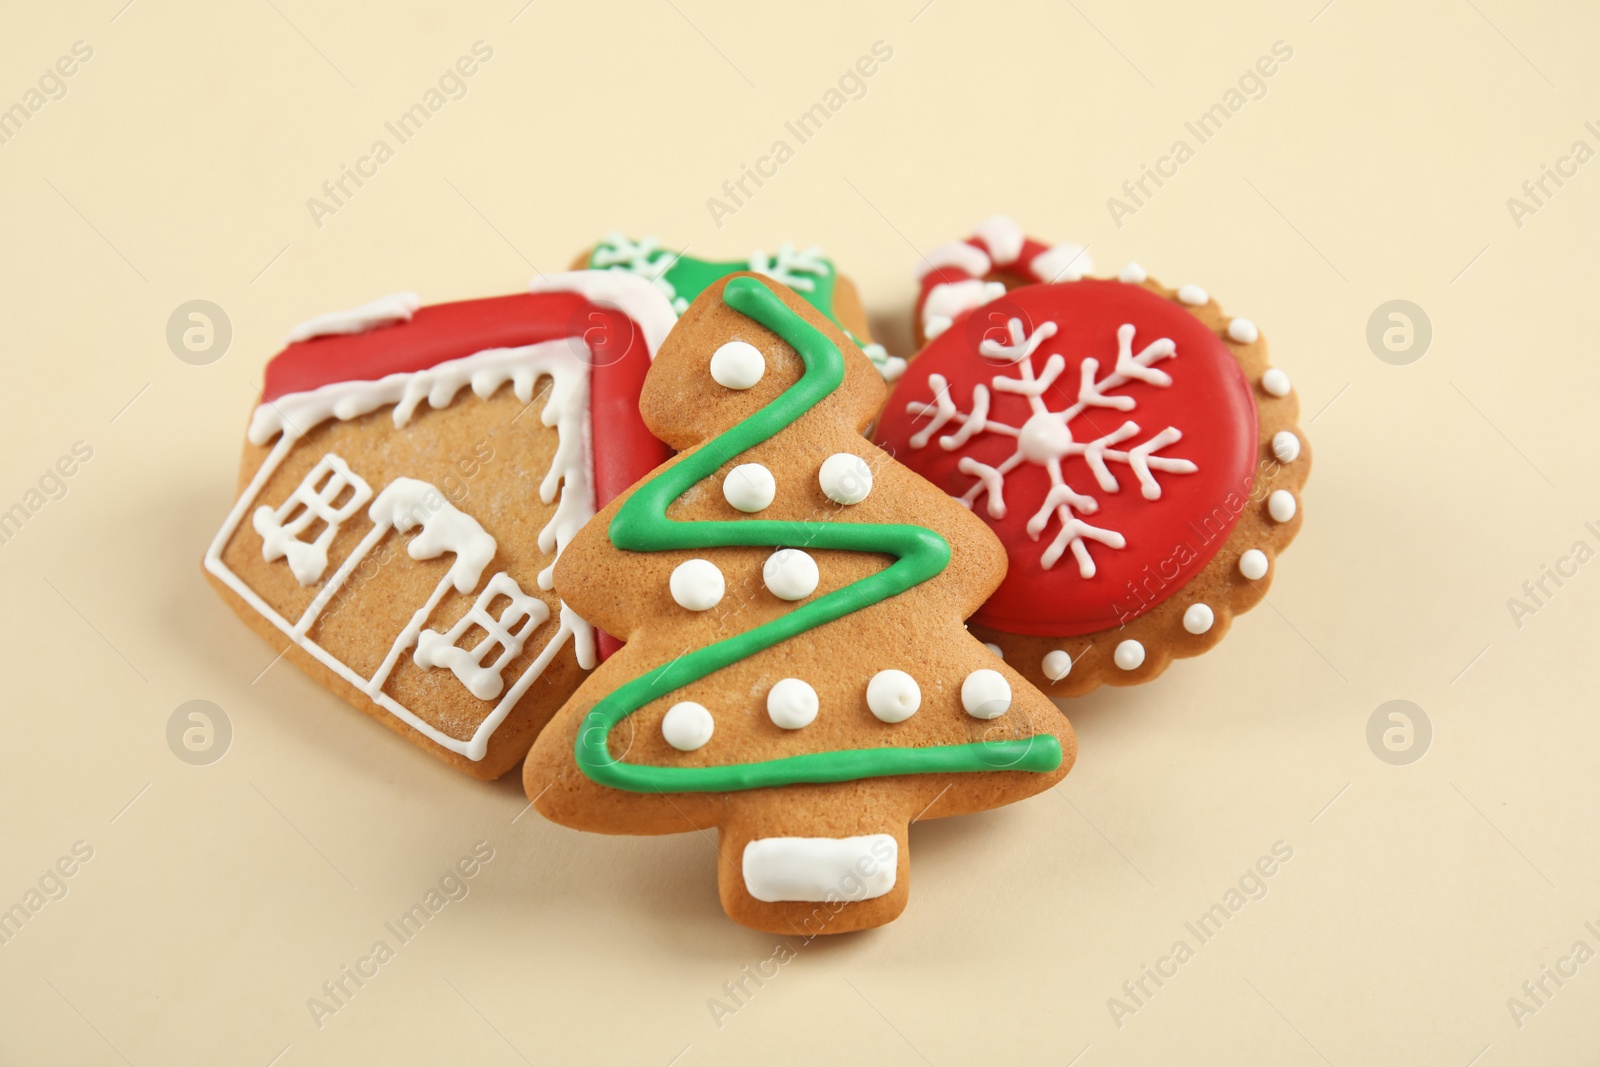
{"x":682,"y":277}
{"x":795,"y":672}
{"x":958,"y":276}
{"x":409,"y":480}
{"x":1130,"y":444}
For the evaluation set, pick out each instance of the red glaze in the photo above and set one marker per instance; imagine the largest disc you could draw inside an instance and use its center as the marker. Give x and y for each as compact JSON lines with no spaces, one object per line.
{"x":1013,"y":274}
{"x":1169,"y":539}
{"x":1018,"y":272}
{"x":435,"y":334}
{"x":622,"y":450}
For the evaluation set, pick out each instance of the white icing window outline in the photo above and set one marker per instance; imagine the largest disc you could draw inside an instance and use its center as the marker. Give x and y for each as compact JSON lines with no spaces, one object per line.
{"x":508,"y":630}
{"x":314,"y":499}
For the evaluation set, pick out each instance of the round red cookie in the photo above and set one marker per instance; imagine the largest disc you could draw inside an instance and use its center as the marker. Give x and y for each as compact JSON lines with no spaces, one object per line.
{"x":1098,"y":427}
{"x":1131,"y":447}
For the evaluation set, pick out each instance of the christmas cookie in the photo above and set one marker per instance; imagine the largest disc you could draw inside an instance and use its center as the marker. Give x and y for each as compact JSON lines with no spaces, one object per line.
{"x":957,"y":277}
{"x":796,"y":674}
{"x":410,"y":478}
{"x":1130,"y":444}
{"x":681,"y":278}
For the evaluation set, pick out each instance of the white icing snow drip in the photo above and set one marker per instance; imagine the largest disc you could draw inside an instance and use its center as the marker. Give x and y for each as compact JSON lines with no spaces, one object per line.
{"x":635,"y":297}
{"x":384,"y":311}
{"x":297,"y":414}
{"x":567,"y":409}
{"x":406,"y":503}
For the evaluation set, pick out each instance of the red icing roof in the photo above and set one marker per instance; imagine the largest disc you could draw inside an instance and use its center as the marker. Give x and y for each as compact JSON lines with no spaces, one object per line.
{"x":623,"y":449}
{"x":442,"y":332}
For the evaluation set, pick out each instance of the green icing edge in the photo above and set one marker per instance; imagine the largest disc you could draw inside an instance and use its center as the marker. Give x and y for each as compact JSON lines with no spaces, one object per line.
{"x":690,"y":277}
{"x":641,"y":525}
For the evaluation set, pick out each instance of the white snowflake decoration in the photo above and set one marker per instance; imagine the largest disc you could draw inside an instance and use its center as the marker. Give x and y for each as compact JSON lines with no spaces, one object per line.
{"x":891,"y":367}
{"x":799,"y":269}
{"x":1045,"y":439}
{"x":644,"y":257}
{"x":796,"y":269}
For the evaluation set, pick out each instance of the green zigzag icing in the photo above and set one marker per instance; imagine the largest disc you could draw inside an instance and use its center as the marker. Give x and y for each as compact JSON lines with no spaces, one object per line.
{"x":641,"y":525}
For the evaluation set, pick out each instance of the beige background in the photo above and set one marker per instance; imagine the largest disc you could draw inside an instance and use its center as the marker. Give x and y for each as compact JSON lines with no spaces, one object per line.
{"x":1377,"y":167}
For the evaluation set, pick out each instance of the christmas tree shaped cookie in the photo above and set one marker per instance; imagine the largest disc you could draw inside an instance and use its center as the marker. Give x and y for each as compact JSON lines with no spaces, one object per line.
{"x":796,"y":674}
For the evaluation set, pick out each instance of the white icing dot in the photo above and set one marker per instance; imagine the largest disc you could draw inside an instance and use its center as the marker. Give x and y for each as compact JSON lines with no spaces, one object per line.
{"x":1193,"y":295}
{"x":1286,"y":446}
{"x":893,"y":696}
{"x":791,"y":574}
{"x":845,"y":478}
{"x":749,"y":487}
{"x":1133,"y":274}
{"x":986,"y":694}
{"x":1129,"y":655}
{"x":1199,"y":618}
{"x":1253,"y":564}
{"x":1243,"y":330}
{"x":1275,"y":382}
{"x":1281,"y":505}
{"x":697,"y":584}
{"x":687,"y":726}
{"x":996,"y":649}
{"x":738,"y":365}
{"x":792,"y":704}
{"x":1057,"y":665}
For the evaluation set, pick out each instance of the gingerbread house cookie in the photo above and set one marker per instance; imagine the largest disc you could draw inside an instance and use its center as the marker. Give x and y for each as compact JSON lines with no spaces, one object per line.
{"x":409,"y":480}
{"x":1131,"y":445}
